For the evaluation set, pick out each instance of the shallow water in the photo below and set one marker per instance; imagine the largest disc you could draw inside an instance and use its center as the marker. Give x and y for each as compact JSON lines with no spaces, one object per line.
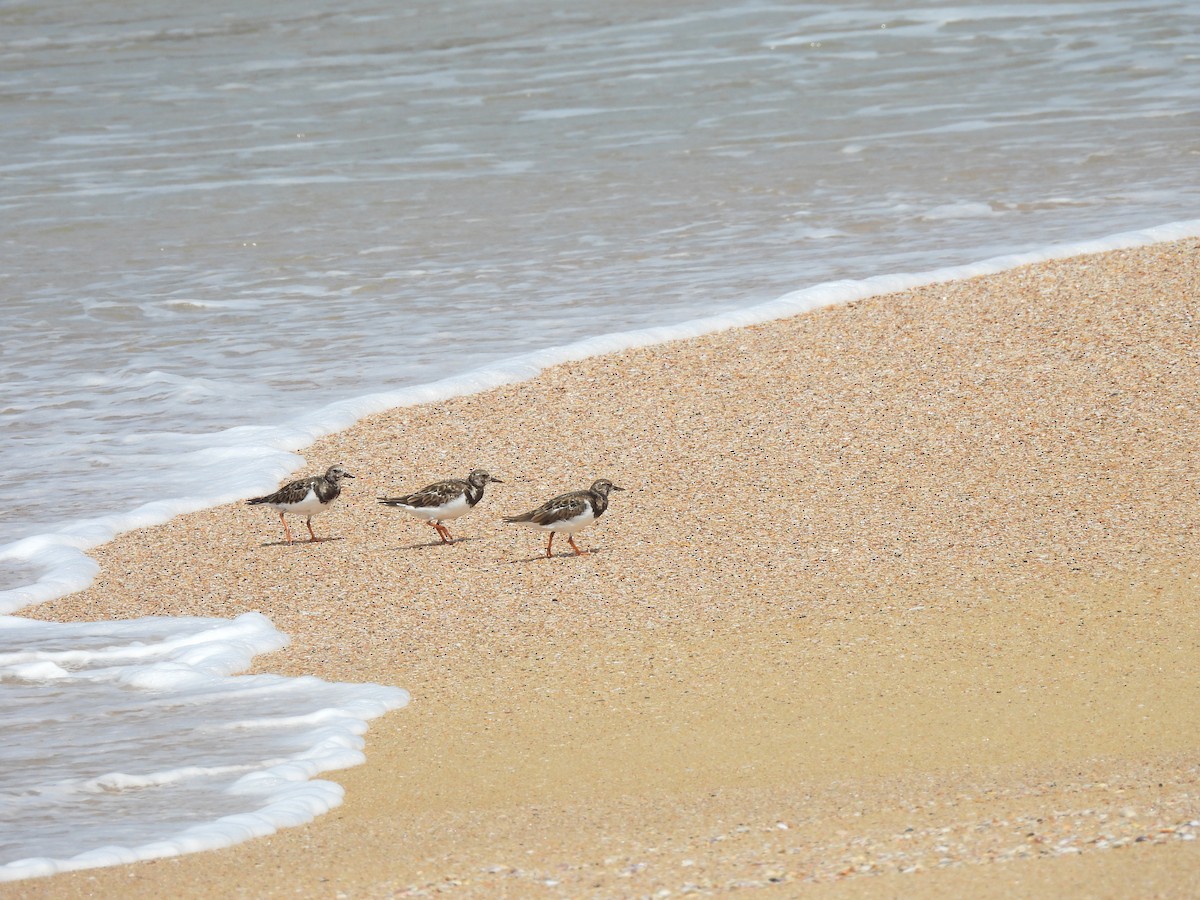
{"x":223,"y":227}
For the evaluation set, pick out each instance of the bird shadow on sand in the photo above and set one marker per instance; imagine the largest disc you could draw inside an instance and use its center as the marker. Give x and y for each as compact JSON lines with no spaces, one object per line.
{"x":301,"y":543}
{"x":430,"y":545}
{"x":542,"y":557}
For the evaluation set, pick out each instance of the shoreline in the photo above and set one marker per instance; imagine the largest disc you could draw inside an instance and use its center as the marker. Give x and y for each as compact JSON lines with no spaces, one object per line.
{"x":898,"y":567}
{"x":77,"y":573}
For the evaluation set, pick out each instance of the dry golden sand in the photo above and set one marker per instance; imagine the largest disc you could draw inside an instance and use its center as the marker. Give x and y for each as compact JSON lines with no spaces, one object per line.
{"x":901,"y":600}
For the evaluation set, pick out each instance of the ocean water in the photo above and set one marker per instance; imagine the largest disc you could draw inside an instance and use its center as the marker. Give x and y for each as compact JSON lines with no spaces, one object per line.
{"x":228,"y":229}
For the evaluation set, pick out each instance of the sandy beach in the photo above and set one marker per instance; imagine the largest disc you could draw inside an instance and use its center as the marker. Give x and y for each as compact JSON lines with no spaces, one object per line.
{"x":901,"y":600}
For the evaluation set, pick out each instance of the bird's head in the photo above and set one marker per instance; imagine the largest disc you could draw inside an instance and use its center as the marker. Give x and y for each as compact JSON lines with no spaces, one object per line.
{"x":603,"y":486}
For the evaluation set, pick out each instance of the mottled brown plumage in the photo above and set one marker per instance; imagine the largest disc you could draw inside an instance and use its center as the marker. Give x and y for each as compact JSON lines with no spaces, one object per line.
{"x":306,"y":497}
{"x":444,"y":500}
{"x":568,"y":513}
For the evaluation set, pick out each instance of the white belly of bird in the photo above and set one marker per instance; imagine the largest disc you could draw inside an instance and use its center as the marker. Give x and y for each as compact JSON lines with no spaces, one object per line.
{"x":570,"y":526}
{"x":309,"y":506}
{"x":451,"y":510}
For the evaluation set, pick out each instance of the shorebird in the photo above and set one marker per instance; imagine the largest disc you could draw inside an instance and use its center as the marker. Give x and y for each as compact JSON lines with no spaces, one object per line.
{"x":444,"y":500}
{"x":568,"y":513}
{"x":305,"y":497}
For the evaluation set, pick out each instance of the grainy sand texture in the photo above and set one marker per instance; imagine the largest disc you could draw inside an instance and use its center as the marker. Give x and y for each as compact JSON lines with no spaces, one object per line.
{"x":901,"y":600}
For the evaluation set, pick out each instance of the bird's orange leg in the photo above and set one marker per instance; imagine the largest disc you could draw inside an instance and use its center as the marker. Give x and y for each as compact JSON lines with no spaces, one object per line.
{"x":447,"y":537}
{"x":286,"y":531}
{"x":549,"y":545}
{"x":312,"y":533}
{"x":575,"y":547}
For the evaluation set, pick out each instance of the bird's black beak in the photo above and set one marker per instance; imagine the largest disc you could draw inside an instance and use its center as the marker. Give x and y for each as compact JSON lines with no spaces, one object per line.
{"x":615,"y":488}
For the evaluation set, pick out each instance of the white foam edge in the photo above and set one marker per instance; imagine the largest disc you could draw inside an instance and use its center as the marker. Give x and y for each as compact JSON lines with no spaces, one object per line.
{"x":291,"y":796}
{"x":295,"y":804}
{"x":206,"y":647}
{"x":62,"y":556}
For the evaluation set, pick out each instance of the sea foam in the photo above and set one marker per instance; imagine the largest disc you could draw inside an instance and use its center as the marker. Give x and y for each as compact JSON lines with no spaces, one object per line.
{"x":148,"y":746}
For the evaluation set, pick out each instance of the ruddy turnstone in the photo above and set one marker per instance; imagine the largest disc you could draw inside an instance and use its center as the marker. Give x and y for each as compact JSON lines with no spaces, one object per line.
{"x":305,"y":497}
{"x":444,"y":500}
{"x":569,"y":513}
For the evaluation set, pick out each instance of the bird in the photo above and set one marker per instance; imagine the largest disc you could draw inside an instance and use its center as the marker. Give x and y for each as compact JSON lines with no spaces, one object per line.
{"x":568,"y":513}
{"x":305,"y":497}
{"x":444,"y":500}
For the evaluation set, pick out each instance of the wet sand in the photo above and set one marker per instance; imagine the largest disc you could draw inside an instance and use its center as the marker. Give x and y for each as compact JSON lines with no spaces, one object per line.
{"x":901,"y":600}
